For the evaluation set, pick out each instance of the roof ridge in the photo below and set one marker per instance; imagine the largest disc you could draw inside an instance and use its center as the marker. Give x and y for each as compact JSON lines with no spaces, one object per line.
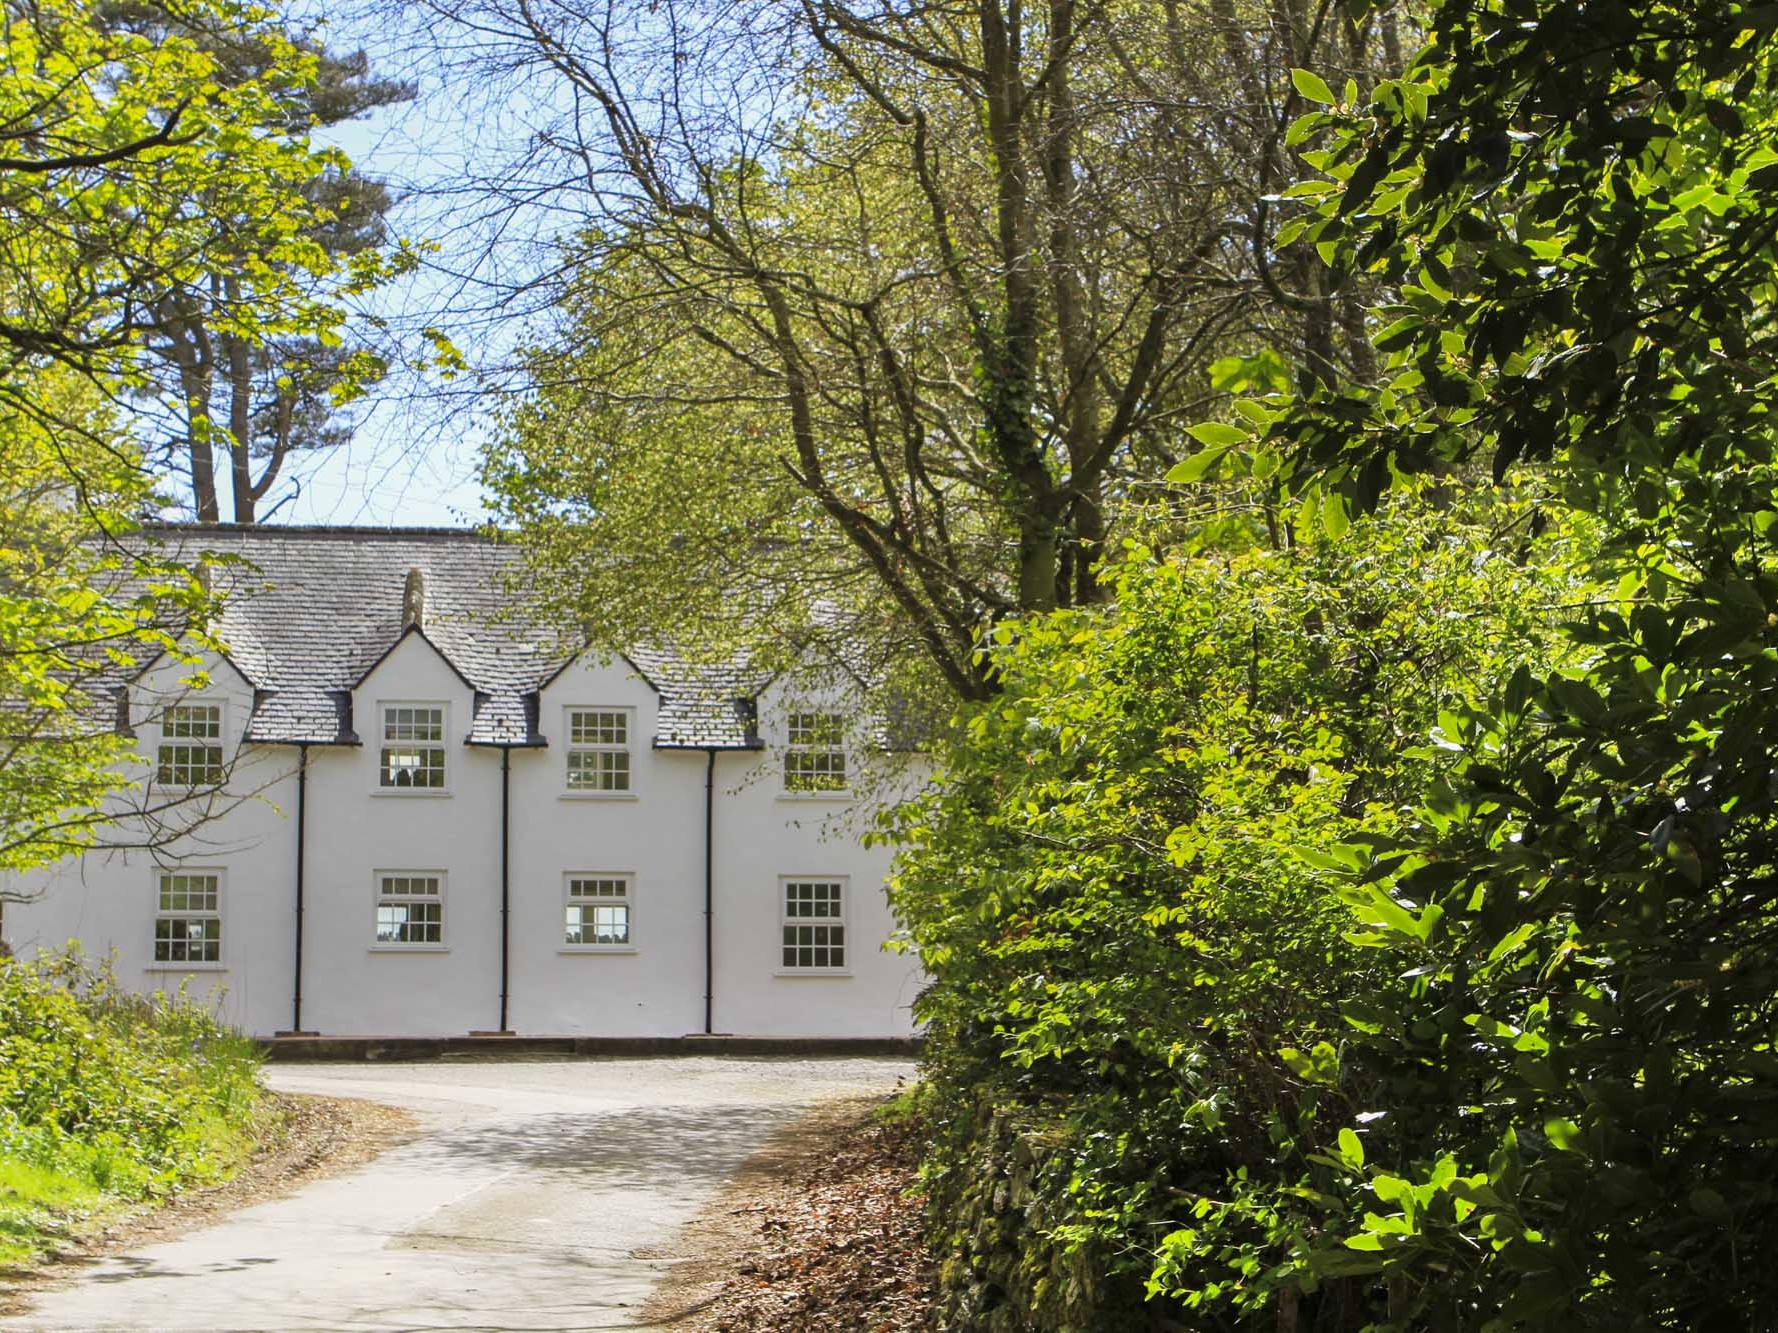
{"x":356,"y":531}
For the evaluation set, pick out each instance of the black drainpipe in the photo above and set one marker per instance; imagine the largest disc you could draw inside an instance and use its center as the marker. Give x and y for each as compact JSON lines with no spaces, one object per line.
{"x":302,"y":803}
{"x":505,"y":878}
{"x":709,"y":891}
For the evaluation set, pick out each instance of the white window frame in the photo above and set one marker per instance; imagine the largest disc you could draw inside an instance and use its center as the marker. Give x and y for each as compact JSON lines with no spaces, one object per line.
{"x":627,"y":901}
{"x":191,"y":744}
{"x":571,"y":747}
{"x":381,"y":898}
{"x":187,"y":913}
{"x":384,"y":745}
{"x":796,"y":751}
{"x":787,"y":921}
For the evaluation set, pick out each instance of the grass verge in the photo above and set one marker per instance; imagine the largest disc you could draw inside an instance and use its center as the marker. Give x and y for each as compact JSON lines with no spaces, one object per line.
{"x":108,"y":1099}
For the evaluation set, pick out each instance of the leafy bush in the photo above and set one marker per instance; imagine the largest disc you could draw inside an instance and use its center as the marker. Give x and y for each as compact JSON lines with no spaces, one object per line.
{"x":1119,"y":885}
{"x":103,"y":1093}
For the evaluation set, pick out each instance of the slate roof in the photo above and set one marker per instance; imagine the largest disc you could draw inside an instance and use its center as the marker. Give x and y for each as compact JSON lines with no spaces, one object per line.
{"x":308,"y":612}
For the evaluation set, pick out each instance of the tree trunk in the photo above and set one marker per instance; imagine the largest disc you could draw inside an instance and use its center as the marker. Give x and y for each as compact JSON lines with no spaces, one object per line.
{"x":189,"y":348}
{"x":240,"y":421}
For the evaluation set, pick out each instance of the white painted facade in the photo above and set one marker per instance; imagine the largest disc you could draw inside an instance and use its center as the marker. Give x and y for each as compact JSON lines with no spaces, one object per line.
{"x":356,"y":830}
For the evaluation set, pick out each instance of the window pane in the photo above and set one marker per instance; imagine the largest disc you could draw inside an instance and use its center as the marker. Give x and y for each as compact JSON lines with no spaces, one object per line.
{"x":598,"y":754}
{"x":188,"y":893}
{"x":410,"y":923}
{"x":590,"y":726}
{"x":599,"y":770}
{"x":406,"y":723}
{"x":812,"y":936}
{"x":192,"y":721}
{"x":598,"y":888}
{"x":598,"y":910}
{"x":181,"y":765}
{"x":179,"y":939}
{"x":816,"y":729}
{"x":414,"y":768}
{"x":409,"y":910}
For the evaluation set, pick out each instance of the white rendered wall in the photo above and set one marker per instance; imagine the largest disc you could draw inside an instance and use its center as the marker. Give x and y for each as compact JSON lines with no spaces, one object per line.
{"x":106,"y":900}
{"x":355,"y":829}
{"x":765,"y":834}
{"x":654,"y":834}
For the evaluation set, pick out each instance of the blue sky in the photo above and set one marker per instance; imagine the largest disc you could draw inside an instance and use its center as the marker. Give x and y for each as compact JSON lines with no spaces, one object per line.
{"x":413,"y":460}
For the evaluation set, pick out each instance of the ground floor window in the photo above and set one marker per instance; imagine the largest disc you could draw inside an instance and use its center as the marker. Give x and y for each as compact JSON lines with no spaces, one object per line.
{"x":188,"y":916}
{"x":814,"y":924}
{"x":598,"y":910}
{"x":410,"y":907}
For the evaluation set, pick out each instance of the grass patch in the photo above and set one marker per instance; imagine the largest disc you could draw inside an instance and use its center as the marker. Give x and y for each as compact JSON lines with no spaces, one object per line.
{"x":910,"y":1104}
{"x":108,"y":1098}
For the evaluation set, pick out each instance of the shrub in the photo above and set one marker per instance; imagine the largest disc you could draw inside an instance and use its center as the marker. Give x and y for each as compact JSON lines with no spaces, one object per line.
{"x":1142,"y":979}
{"x":102,"y":1092}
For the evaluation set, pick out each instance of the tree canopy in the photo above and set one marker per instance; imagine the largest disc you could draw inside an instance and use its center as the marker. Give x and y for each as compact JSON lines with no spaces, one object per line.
{"x":157,"y":160}
{"x":1548,"y":1099}
{"x":877,"y":316}
{"x":145,"y":160}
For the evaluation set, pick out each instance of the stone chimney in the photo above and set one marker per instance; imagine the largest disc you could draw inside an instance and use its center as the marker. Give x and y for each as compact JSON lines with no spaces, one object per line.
{"x":413,"y":601}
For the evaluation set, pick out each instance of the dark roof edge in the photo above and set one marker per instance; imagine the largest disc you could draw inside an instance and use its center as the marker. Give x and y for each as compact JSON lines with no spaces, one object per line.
{"x":355,"y":531}
{"x":336,"y":744}
{"x":400,"y":639}
{"x":587,"y":646}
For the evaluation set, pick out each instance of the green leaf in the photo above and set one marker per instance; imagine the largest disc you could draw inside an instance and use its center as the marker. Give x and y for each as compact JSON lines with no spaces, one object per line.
{"x":1565,"y":1135}
{"x":1217,"y":433}
{"x":1351,"y":1147}
{"x":1312,"y":86}
{"x":1710,"y":1205}
{"x":1197,"y":467}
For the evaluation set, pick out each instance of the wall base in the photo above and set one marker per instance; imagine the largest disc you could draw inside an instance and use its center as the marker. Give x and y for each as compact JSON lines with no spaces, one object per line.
{"x":292,"y":1046}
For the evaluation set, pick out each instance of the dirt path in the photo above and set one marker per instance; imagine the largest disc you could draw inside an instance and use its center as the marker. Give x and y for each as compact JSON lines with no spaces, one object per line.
{"x":315,"y":1137}
{"x":533,"y":1195}
{"x":818,"y":1233}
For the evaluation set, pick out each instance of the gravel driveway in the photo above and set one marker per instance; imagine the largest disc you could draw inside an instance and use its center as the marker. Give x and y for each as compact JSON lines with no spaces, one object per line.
{"x":526,"y":1202}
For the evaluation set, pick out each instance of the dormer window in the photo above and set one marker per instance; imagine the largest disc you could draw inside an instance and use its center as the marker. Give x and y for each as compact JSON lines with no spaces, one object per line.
{"x":815,"y":758}
{"x":190,"y":752}
{"x":599,"y":750}
{"x":413,"y":753}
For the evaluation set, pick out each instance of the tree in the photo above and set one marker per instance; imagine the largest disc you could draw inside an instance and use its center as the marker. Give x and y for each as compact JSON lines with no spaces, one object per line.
{"x":116,"y":149}
{"x":265,"y":398}
{"x":878,"y":313}
{"x":1578,"y":201}
{"x":140,"y":175}
{"x":79,"y":611}
{"x":1140,"y":982}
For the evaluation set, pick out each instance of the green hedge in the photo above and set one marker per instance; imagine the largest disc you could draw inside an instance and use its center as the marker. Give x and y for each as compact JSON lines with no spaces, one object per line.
{"x":106,"y":1094}
{"x":1129,"y":888}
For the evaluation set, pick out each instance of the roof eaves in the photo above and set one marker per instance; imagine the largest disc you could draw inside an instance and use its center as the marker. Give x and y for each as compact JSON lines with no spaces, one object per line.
{"x":725,"y":748}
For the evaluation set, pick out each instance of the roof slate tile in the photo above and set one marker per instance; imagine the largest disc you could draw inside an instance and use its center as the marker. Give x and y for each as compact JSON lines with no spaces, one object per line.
{"x":308,"y":611}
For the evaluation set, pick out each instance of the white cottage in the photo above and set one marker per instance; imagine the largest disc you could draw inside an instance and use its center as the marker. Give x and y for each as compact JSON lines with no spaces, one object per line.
{"x":428,"y":816}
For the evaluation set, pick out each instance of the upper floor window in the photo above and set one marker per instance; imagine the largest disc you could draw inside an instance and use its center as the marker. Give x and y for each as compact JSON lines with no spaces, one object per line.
{"x":815,"y":758}
{"x":188,"y":916}
{"x":191,"y":746}
{"x":598,"y":911}
{"x":413,"y":757}
{"x":599,"y":749}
